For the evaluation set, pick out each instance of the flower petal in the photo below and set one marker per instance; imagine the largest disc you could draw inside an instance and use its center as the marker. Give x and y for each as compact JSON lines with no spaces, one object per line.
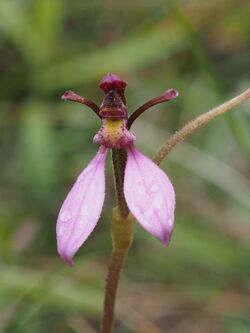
{"x":81,"y":209}
{"x":150,"y":195}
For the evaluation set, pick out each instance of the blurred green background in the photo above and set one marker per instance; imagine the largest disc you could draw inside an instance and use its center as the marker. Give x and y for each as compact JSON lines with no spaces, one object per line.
{"x":200,"y":283}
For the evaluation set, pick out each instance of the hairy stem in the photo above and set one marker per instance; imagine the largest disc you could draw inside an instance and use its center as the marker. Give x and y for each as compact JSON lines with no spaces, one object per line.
{"x":198,"y":122}
{"x":114,"y":270}
{"x":119,"y":158}
{"x":122,"y":236}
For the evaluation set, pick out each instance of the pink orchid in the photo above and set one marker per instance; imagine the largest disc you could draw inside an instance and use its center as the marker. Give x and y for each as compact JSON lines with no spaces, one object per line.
{"x":148,"y":191}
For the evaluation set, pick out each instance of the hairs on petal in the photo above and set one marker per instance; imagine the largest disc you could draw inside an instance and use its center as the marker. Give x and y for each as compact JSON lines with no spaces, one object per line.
{"x":82,"y":207}
{"x":149,"y":195}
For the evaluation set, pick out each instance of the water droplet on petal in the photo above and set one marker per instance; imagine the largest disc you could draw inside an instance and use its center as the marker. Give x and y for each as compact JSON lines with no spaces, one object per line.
{"x":149,"y":213}
{"x":80,"y":227}
{"x":84,"y":211}
{"x":81,"y":222}
{"x":154,"y":188}
{"x":140,"y":189}
{"x":61,"y":230}
{"x":140,"y":212}
{"x":170,"y":222}
{"x":157,"y":202}
{"x":65,"y":216}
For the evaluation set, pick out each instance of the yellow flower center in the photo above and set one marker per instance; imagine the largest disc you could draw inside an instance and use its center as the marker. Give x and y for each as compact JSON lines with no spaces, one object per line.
{"x":112,"y":130}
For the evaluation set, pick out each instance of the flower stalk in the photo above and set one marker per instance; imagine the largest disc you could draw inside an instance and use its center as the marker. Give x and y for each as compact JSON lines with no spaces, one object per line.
{"x":198,"y":122}
{"x":122,"y":236}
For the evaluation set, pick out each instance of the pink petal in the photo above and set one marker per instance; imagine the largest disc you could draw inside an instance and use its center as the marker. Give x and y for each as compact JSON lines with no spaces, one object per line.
{"x":150,"y":195}
{"x":81,"y":209}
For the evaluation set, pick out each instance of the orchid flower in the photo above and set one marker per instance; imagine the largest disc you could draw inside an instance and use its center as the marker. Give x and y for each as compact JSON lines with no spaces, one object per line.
{"x":148,"y":191}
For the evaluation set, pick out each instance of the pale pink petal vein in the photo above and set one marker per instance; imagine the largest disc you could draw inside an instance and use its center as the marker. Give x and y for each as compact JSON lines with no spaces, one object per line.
{"x":82,"y":207}
{"x":150,"y":195}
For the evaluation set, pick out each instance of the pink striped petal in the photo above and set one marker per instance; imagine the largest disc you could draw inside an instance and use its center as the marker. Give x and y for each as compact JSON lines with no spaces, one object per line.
{"x":150,"y":195}
{"x":82,"y":207}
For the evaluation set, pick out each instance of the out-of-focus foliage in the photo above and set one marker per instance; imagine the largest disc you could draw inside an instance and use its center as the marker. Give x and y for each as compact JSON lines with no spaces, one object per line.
{"x":201,"y":282}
